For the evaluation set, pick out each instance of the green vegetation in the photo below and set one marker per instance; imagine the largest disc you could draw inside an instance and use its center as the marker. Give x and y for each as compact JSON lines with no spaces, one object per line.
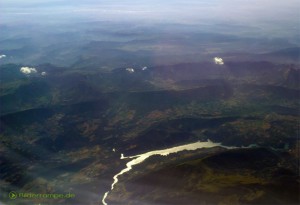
{"x":62,"y":127}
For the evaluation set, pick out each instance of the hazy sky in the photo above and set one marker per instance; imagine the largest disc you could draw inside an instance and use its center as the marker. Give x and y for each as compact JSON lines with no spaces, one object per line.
{"x":271,"y":14}
{"x":266,"y":20}
{"x":188,"y":9}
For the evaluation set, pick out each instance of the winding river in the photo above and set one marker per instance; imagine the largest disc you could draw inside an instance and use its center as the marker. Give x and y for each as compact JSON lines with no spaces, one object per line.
{"x":137,"y":159}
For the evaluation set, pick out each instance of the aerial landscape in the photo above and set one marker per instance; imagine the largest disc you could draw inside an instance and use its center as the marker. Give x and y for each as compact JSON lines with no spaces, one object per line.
{"x":130,"y":102}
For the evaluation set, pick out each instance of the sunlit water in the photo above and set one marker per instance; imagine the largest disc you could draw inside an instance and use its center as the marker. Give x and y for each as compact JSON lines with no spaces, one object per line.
{"x":137,"y":159}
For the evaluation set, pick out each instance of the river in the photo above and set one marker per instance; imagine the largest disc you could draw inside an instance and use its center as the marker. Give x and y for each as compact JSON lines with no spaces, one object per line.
{"x":137,"y":159}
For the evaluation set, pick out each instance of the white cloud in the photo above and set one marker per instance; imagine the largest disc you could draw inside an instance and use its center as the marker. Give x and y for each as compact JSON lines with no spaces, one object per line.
{"x":2,"y":56}
{"x":28,"y":70}
{"x":43,"y":73}
{"x":144,"y":68}
{"x":218,"y":61}
{"x":130,"y":70}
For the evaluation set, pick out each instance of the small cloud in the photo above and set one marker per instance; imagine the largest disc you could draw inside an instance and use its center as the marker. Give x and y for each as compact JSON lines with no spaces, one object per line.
{"x":2,"y":56}
{"x":28,"y":70}
{"x":218,"y":61}
{"x":144,"y":68}
{"x":43,"y":73}
{"x":130,"y":70}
